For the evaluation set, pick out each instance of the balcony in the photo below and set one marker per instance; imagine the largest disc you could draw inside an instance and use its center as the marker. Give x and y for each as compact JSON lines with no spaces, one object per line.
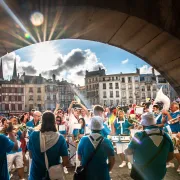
{"x":130,"y":97}
{"x":111,"y":96}
{"x":117,"y":87}
{"x":38,"y":91}
{"x":136,"y":87}
{"x":148,"y":89}
{"x":110,"y":87}
{"x":123,"y":88}
{"x":104,"y":96}
{"x":142,"y":89}
{"x":129,"y":87}
{"x":38,"y":99}
{"x":31,"y":100}
{"x":123,"y":97}
{"x":117,"y":96}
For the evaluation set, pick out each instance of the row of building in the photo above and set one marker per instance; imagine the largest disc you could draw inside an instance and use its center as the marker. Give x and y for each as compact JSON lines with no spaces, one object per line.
{"x":123,"y":89}
{"x":25,"y":92}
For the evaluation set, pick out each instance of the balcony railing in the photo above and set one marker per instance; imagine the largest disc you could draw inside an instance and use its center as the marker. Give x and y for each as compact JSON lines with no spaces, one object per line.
{"x":117,"y":87}
{"x":104,"y":96}
{"x":30,"y":99}
{"x":111,"y":96}
{"x":123,"y":97}
{"x":110,"y":87}
{"x":123,"y":88}
{"x":117,"y":96}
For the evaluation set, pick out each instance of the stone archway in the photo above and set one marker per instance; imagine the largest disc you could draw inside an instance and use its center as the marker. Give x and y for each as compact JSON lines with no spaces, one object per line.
{"x":148,"y":29}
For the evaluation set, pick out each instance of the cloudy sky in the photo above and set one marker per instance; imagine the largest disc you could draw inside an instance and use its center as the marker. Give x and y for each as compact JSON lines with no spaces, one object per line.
{"x":69,"y":59}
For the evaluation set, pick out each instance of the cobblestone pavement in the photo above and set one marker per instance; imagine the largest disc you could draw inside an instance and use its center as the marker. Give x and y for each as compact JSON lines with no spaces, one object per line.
{"x":119,"y":173}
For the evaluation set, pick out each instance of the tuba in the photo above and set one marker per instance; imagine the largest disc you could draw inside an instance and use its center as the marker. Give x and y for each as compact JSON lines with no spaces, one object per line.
{"x":161,"y":97}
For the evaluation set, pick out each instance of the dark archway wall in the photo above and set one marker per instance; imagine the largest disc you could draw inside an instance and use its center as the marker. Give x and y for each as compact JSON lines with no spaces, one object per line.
{"x":150,"y":29}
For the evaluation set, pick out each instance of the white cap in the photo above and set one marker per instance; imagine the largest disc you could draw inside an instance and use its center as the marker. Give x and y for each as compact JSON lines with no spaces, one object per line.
{"x":96,"y":123}
{"x":147,"y":119}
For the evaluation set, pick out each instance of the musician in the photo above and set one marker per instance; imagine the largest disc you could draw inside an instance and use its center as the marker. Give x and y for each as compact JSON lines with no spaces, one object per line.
{"x":175,"y":128}
{"x":148,"y":144}
{"x":16,"y":158}
{"x":99,"y":111}
{"x":35,"y":121}
{"x":158,"y":116}
{"x":59,"y":121}
{"x":122,"y":127}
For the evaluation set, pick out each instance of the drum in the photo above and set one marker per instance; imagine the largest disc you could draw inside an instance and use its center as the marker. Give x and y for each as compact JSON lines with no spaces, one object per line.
{"x":115,"y":139}
{"x":124,"y":138}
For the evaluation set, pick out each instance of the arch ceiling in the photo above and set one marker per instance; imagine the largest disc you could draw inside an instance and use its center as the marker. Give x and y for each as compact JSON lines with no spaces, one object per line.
{"x":150,"y":29}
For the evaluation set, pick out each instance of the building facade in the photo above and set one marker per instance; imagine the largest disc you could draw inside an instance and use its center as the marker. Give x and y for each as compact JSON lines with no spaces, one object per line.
{"x":119,"y":89}
{"x":92,"y":80}
{"x":12,"y":93}
{"x":65,"y":93}
{"x":34,"y":91}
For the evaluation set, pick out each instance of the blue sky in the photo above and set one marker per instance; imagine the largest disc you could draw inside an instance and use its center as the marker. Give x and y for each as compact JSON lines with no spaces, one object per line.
{"x":110,"y":56}
{"x":69,"y":59}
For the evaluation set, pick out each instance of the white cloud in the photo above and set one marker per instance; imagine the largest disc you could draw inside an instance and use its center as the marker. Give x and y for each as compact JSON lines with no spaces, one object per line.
{"x":146,"y":69}
{"x":125,"y":61}
{"x":44,"y":63}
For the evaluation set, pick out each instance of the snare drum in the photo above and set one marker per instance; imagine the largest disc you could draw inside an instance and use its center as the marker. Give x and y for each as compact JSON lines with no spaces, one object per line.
{"x":115,"y":139}
{"x":124,"y":138}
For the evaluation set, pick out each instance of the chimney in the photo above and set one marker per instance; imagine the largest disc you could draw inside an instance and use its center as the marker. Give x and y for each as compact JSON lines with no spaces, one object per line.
{"x":1,"y":71}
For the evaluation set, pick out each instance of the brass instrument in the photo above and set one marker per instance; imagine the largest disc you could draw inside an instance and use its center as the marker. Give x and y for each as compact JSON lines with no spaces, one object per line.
{"x":175,"y":120}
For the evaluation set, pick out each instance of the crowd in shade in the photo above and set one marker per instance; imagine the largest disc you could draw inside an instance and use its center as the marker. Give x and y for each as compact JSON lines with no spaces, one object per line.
{"x":46,"y":144}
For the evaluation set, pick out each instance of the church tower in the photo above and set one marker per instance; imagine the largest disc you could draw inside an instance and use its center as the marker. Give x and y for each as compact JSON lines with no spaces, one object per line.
{"x":1,"y":71}
{"x":15,"y":77}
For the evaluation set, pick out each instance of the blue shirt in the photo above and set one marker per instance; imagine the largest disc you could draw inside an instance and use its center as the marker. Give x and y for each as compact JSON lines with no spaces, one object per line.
{"x":31,"y":124}
{"x":125,"y":126}
{"x":159,"y":119}
{"x":38,"y":167}
{"x":18,"y":137}
{"x":98,"y":167}
{"x":78,"y":131}
{"x":144,"y":149}
{"x":174,"y":127}
{"x":6,"y":145}
{"x":105,"y":131}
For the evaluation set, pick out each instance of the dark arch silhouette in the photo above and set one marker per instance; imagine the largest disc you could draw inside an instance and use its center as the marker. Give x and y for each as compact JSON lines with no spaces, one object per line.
{"x":149,"y":29}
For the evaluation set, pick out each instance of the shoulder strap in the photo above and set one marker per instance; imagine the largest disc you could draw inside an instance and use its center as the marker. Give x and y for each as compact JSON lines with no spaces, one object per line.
{"x":154,"y":157}
{"x":94,"y":152}
{"x":45,"y":155}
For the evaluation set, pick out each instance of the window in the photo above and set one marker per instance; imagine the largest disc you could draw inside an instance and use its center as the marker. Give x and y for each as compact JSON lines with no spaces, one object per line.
{"x":111,"y":94}
{"x":104,"y":94}
{"x":123,"y":87}
{"x":48,"y":98}
{"x":123,"y":94}
{"x":112,"y":78}
{"x":117,"y":102}
{"x":110,"y":86}
{"x":104,"y":85}
{"x":6,"y":107}
{"x":20,"y":107}
{"x":39,"y":98}
{"x":19,"y":98}
{"x":111,"y":102}
{"x":13,"y":98}
{"x":136,"y":78}
{"x":19,"y":90}
{"x":22,"y":90}
{"x":148,"y":88}
{"x":7,"y":90}
{"x":6,"y":98}
{"x":31,"y":97}
{"x":3,"y":107}
{"x":129,"y":79}
{"x":13,"y":90}
{"x":54,"y":97}
{"x":130,"y":94}
{"x":123,"y":80}
{"x":142,"y":88}
{"x":38,"y":90}
{"x":117,"y":78}
{"x":13,"y":107}
{"x":117,"y":93}
{"x":117,"y":86}
{"x":137,"y":86}
{"x":31,"y":90}
{"x":130,"y":101}
{"x":143,"y":95}
{"x":129,"y":86}
{"x":105,"y":102}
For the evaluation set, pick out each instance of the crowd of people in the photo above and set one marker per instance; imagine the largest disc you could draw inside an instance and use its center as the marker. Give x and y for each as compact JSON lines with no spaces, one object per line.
{"x":146,"y":142}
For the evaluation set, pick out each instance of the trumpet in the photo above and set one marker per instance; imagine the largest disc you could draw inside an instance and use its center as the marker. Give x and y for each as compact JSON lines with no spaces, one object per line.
{"x":175,"y":120}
